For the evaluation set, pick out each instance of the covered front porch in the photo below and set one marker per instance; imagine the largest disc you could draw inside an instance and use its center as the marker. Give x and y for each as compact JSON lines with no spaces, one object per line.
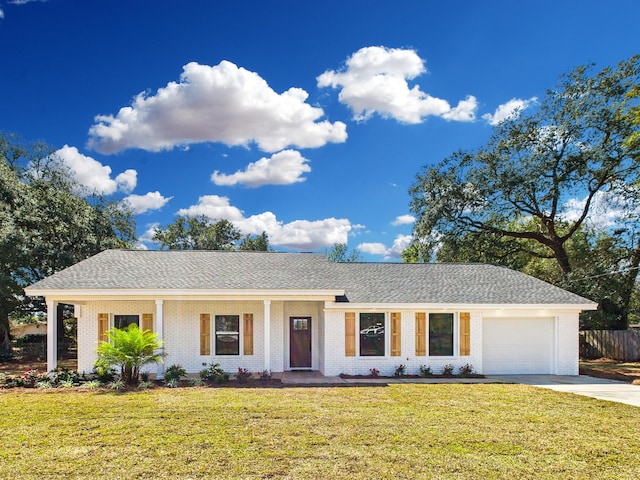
{"x":266,"y":334}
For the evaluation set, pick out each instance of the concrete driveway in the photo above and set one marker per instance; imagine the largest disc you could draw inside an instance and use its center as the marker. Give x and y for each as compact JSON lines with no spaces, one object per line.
{"x":599,"y":388}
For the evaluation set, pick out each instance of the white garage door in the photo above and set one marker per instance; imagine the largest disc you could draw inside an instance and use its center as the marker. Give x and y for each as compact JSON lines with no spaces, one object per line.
{"x":517,"y":345}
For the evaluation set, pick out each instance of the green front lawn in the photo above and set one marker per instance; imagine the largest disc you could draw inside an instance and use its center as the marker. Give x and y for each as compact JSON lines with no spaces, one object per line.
{"x":397,"y":431}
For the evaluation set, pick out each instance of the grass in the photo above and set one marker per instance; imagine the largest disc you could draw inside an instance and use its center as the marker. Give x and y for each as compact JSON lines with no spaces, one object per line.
{"x":397,"y":431}
{"x":606,"y":368}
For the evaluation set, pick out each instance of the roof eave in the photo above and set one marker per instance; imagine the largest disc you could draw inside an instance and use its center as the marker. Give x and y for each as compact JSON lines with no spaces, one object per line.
{"x":183,"y":294}
{"x":346,"y":306}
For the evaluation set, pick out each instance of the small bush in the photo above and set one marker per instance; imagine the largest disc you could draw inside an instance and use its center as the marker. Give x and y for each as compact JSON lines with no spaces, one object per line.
{"x":44,"y":384}
{"x":466,"y":369}
{"x":64,"y":376}
{"x":144,"y":376}
{"x":374,"y":372}
{"x":196,"y":382}
{"x":103,"y":374}
{"x":214,"y":373}
{"x":116,"y":385}
{"x":265,"y":375}
{"x":243,"y":375}
{"x":425,"y":371}
{"x":172,"y":383}
{"x":447,"y":370}
{"x":92,"y":384}
{"x":144,"y":385}
{"x":175,"y":372}
{"x":400,"y":370}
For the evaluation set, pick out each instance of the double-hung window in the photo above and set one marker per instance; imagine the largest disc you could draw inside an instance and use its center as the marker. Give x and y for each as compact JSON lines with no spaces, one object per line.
{"x":441,"y":327}
{"x":227,"y":328}
{"x":372,"y":334}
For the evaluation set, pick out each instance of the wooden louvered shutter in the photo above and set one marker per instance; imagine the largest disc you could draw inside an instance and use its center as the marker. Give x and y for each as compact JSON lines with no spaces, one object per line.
{"x":421,"y":334}
{"x":205,"y":334}
{"x":103,"y":326}
{"x":248,"y":334}
{"x":350,"y":334}
{"x":465,"y":333}
{"x":147,"y":322}
{"x":396,"y":322}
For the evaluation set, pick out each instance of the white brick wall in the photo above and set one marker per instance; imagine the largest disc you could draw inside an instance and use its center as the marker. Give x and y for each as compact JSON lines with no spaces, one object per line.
{"x":567,"y":343}
{"x":182,"y":338}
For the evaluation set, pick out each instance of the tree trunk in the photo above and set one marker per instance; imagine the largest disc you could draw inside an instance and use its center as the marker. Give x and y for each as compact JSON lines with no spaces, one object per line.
{"x":5,"y":338}
{"x":630,"y":283}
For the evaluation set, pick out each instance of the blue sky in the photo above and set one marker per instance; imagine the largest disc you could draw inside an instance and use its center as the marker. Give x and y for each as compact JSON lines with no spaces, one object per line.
{"x":307,"y":120}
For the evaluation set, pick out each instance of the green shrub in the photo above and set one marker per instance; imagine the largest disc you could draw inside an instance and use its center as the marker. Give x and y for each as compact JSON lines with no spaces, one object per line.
{"x":466,"y":369}
{"x":425,"y":371}
{"x":214,"y":373}
{"x":92,"y":384}
{"x":64,"y":376}
{"x":171,"y":383}
{"x":116,"y":385}
{"x":400,"y":370}
{"x":175,"y":372}
{"x":44,"y":384}
{"x":447,"y":370}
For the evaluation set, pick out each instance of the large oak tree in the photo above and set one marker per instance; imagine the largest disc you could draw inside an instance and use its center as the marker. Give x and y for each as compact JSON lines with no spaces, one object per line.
{"x":46,"y":224}
{"x":541,"y":180}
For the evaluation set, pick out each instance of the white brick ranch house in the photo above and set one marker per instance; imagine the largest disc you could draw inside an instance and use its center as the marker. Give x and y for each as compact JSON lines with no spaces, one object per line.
{"x":287,"y":311}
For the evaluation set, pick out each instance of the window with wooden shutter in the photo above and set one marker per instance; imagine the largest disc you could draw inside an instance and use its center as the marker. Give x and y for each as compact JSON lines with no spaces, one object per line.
{"x":465,"y":333}
{"x":396,"y":322}
{"x":147,"y":321}
{"x":103,"y":326}
{"x":248,"y":334}
{"x":205,"y":334}
{"x":421,"y":334}
{"x":350,"y":334}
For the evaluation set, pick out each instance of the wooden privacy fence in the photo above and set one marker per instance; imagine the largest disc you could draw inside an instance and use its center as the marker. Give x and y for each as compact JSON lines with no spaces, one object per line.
{"x":621,"y":345}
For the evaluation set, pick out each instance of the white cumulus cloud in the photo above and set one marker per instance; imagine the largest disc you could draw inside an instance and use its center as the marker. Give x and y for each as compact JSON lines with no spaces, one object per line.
{"x":298,"y":234}
{"x":282,"y":168}
{"x":93,"y":176}
{"x":222,"y":103}
{"x":607,"y":209}
{"x":403,"y":220}
{"x":375,"y":80}
{"x":149,"y":201}
{"x":507,"y":110}
{"x":400,"y":244}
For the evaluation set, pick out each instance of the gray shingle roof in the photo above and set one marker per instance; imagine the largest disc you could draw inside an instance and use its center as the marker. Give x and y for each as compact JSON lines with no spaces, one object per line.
{"x":192,"y":270}
{"x":433,"y":283}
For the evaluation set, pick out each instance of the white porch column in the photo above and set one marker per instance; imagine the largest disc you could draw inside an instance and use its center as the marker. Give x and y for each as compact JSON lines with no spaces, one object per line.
{"x":52,"y":335}
{"x":267,"y":335}
{"x":160,"y":332}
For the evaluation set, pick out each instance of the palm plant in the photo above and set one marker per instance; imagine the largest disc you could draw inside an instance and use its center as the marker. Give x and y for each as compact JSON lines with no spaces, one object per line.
{"x":130,"y":349}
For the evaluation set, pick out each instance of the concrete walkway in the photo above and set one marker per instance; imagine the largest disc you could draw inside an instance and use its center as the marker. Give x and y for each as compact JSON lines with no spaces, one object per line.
{"x":599,"y":388}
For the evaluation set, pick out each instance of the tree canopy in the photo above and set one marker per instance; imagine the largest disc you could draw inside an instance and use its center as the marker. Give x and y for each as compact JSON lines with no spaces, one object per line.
{"x":339,"y":252}
{"x":200,"y":233}
{"x":45,"y":225}
{"x":559,"y":186}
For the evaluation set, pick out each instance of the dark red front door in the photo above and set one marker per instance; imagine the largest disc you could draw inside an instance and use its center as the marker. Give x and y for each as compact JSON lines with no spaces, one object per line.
{"x":300,"y":342}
